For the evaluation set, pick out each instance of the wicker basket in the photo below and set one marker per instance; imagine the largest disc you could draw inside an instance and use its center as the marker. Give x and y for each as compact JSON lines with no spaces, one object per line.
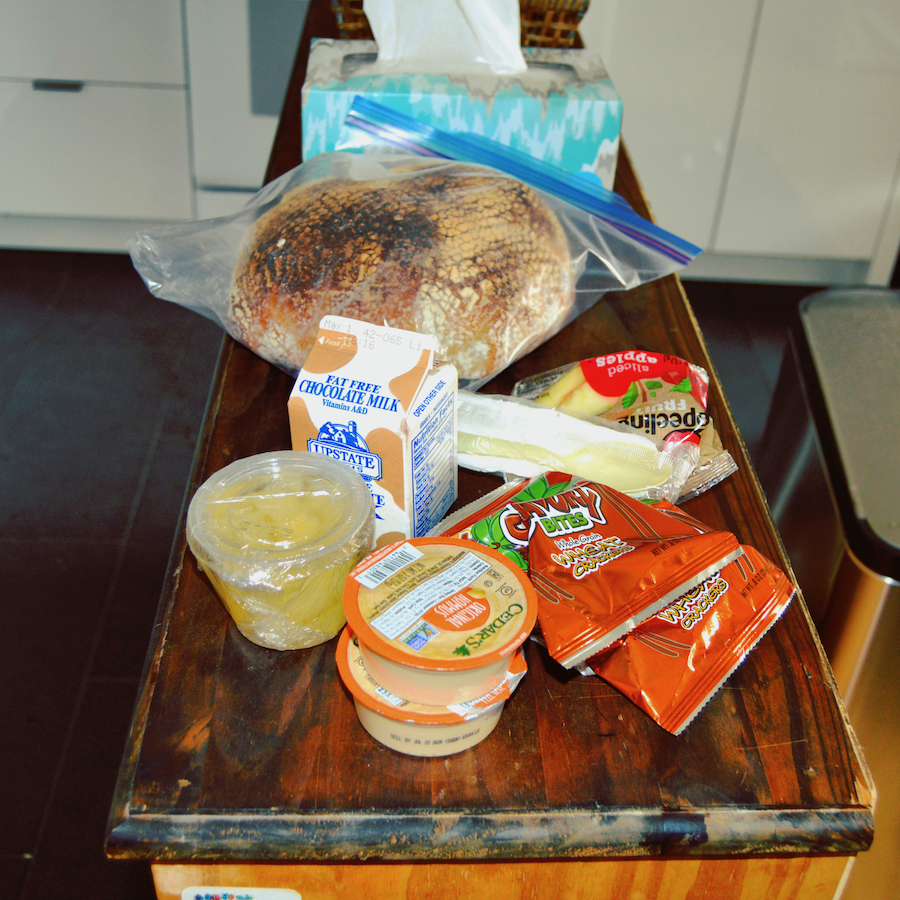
{"x":351,"y":20}
{"x":552,"y":23}
{"x":545,"y":23}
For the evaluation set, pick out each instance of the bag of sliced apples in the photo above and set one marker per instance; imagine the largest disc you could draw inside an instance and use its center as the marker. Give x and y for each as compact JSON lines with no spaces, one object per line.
{"x":663,"y":396}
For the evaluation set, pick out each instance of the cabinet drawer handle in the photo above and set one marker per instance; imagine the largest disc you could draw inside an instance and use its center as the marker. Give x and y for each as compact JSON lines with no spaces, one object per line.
{"x":49,"y":84}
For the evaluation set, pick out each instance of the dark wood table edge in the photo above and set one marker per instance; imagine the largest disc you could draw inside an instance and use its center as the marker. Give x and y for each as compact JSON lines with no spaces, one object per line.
{"x":449,"y":835}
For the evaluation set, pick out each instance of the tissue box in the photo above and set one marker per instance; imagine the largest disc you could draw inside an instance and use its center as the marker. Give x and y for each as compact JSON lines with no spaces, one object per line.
{"x":563,"y":110}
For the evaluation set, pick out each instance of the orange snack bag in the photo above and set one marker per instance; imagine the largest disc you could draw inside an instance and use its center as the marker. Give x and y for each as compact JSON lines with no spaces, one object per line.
{"x":674,"y":662}
{"x":602,"y":562}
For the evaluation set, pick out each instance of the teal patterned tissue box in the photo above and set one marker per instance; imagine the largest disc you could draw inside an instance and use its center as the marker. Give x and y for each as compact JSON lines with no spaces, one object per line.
{"x":563,"y":110}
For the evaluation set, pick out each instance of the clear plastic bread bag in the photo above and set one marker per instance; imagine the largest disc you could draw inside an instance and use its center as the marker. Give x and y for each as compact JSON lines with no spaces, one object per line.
{"x":490,"y":265}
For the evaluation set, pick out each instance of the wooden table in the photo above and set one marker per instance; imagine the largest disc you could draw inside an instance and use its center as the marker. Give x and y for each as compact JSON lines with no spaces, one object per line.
{"x":247,"y":767}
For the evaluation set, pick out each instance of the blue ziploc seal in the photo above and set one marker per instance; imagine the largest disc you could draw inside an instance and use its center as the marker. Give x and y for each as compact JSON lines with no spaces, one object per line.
{"x":408,"y":133}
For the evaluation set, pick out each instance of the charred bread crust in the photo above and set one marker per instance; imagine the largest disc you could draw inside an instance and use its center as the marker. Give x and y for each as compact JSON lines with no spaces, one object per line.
{"x":469,"y":255}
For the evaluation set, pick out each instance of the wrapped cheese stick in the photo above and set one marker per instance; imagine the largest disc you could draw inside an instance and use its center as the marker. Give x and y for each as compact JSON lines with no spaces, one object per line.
{"x":519,"y":438}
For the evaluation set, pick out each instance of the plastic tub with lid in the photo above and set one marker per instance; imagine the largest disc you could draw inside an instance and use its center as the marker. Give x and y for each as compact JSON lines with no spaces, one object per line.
{"x":418,"y":729}
{"x":439,"y":619}
{"x":277,"y":534}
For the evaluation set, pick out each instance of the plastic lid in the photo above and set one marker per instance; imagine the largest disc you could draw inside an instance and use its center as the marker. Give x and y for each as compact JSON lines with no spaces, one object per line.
{"x":273,"y":517}
{"x":367,"y":691}
{"x":441,"y":604}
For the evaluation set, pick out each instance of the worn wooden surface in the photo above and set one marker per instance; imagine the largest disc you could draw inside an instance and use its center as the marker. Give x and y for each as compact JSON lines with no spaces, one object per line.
{"x":238,"y":753}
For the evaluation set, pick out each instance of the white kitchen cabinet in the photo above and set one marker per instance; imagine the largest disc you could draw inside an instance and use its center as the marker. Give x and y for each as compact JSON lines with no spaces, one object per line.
{"x":764,"y":130}
{"x":106,"y":151}
{"x":93,"y":121}
{"x":817,"y":148}
{"x":681,"y":91}
{"x":240,"y":55}
{"x":215,"y":202}
{"x":231,"y":143}
{"x":92,"y":40}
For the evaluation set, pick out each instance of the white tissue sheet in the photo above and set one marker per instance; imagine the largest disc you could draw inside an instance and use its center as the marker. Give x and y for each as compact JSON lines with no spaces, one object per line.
{"x":446,"y":37}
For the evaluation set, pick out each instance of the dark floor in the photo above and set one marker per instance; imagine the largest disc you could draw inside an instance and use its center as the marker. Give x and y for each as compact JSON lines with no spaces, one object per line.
{"x":101,"y":391}
{"x":102,"y":388}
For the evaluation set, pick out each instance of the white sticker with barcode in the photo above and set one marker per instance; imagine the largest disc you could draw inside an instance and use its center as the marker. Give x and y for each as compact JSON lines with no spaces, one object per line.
{"x":384,"y":568}
{"x":407,"y":611}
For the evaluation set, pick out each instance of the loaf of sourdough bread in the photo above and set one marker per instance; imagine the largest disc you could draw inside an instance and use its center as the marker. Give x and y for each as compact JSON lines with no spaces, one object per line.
{"x":466,"y":254}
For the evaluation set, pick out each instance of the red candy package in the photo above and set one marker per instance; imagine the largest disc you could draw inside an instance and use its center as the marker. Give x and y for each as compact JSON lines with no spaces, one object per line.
{"x":674,"y":662}
{"x":602,"y":562}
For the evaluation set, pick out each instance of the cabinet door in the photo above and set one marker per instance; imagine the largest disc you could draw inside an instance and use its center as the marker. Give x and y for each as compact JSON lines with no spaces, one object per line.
{"x":106,"y":152}
{"x":92,"y":40}
{"x":818,"y":146}
{"x":679,"y":66}
{"x":240,"y":54}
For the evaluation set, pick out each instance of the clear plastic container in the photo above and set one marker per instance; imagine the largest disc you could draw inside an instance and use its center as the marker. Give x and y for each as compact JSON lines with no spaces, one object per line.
{"x":277,"y":534}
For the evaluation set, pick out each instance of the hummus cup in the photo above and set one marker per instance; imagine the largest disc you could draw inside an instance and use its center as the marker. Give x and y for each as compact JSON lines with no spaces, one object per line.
{"x":434,"y":687}
{"x":417,"y":729}
{"x":439,"y":619}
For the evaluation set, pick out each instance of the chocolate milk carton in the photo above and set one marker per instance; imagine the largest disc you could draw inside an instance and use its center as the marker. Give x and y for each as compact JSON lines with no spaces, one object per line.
{"x":372,"y":397}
